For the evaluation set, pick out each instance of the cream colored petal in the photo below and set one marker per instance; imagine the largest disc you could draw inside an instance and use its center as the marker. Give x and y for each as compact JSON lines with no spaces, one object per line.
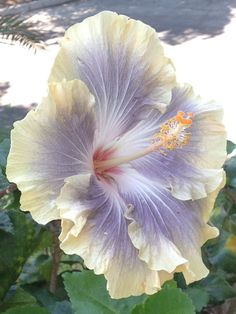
{"x":93,"y":226}
{"x":187,"y":188}
{"x":206,"y":151}
{"x":121,"y":60}
{"x":73,"y":211}
{"x":125,"y":276}
{"x":50,"y":144}
{"x":195,"y":269}
{"x":158,"y":252}
{"x":167,"y":232}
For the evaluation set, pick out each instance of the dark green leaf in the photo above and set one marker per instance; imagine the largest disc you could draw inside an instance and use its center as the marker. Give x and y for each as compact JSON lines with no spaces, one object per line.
{"x":167,"y":301}
{"x":88,"y":294}
{"x":42,"y":295}
{"x":217,"y":287}
{"x":19,"y":297}
{"x":233,"y":182}
{"x":5,"y":222}
{"x":63,"y":307}
{"x":225,"y":260}
{"x":222,"y":254}
{"x":199,"y":297}
{"x":45,"y":240}
{"x":22,"y":297}
{"x":27,"y":309}
{"x":218,"y":216}
{"x":51,"y":302}
{"x":230,"y":147}
{"x":37,"y":268}
{"x":16,"y":248}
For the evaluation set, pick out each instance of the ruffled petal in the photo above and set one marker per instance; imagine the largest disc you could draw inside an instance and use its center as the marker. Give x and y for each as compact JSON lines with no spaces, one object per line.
{"x":158,"y":218}
{"x":94,"y":227}
{"x":122,"y":63}
{"x":134,"y":232}
{"x":193,"y":171}
{"x":50,"y":144}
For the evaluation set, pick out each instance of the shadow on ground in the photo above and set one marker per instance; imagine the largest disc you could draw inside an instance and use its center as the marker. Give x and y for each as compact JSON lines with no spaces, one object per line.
{"x":180,"y":20}
{"x":8,"y":114}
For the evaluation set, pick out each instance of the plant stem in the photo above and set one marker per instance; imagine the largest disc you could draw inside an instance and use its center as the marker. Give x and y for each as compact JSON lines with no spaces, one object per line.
{"x":56,"y":256}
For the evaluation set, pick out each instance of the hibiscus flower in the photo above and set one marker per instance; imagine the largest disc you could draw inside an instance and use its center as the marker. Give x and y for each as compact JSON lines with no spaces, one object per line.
{"x":127,"y":159}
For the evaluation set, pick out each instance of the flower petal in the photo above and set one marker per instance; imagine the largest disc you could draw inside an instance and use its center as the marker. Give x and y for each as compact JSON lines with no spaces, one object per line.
{"x":122,"y":62}
{"x":157,"y":217}
{"x":97,"y":231}
{"x":50,"y":144}
{"x":193,"y":171}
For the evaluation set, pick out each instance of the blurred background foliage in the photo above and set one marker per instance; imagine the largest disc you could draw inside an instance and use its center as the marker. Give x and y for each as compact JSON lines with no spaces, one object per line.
{"x":36,"y":277}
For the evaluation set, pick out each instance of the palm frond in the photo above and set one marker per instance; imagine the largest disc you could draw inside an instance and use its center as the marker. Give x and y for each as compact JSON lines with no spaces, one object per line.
{"x":14,"y":28}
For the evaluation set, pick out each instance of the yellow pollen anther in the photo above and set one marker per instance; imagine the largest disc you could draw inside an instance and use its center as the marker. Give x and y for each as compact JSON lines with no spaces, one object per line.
{"x":172,"y":135}
{"x":180,"y":118}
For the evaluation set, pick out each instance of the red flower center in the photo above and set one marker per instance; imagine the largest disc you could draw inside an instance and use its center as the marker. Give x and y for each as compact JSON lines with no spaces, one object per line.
{"x":102,"y":154}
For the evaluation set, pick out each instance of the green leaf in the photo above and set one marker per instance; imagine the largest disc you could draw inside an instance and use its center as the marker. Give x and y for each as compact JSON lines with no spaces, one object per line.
{"x":230,"y":224}
{"x":19,"y":297}
{"x":63,"y":307}
{"x":199,"y":297}
{"x":170,"y":283}
{"x":5,"y":222}
{"x":49,"y":301}
{"x":88,"y":294}
{"x":167,"y":301}
{"x":27,"y":309}
{"x":16,"y":248}
{"x":230,"y":147}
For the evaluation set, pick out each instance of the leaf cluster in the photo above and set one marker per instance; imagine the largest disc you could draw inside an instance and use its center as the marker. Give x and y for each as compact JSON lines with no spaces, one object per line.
{"x":16,"y":29}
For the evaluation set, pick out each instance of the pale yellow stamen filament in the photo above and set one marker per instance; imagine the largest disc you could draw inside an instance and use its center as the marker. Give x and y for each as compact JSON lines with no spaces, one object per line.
{"x":170,"y":137}
{"x":106,"y":164}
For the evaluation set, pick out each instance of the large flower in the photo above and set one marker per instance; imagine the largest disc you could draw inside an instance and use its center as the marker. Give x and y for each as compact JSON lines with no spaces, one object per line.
{"x":128,"y":162}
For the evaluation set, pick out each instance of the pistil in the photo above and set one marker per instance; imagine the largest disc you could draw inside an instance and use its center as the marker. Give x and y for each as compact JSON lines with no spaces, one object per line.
{"x":171,"y":136}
